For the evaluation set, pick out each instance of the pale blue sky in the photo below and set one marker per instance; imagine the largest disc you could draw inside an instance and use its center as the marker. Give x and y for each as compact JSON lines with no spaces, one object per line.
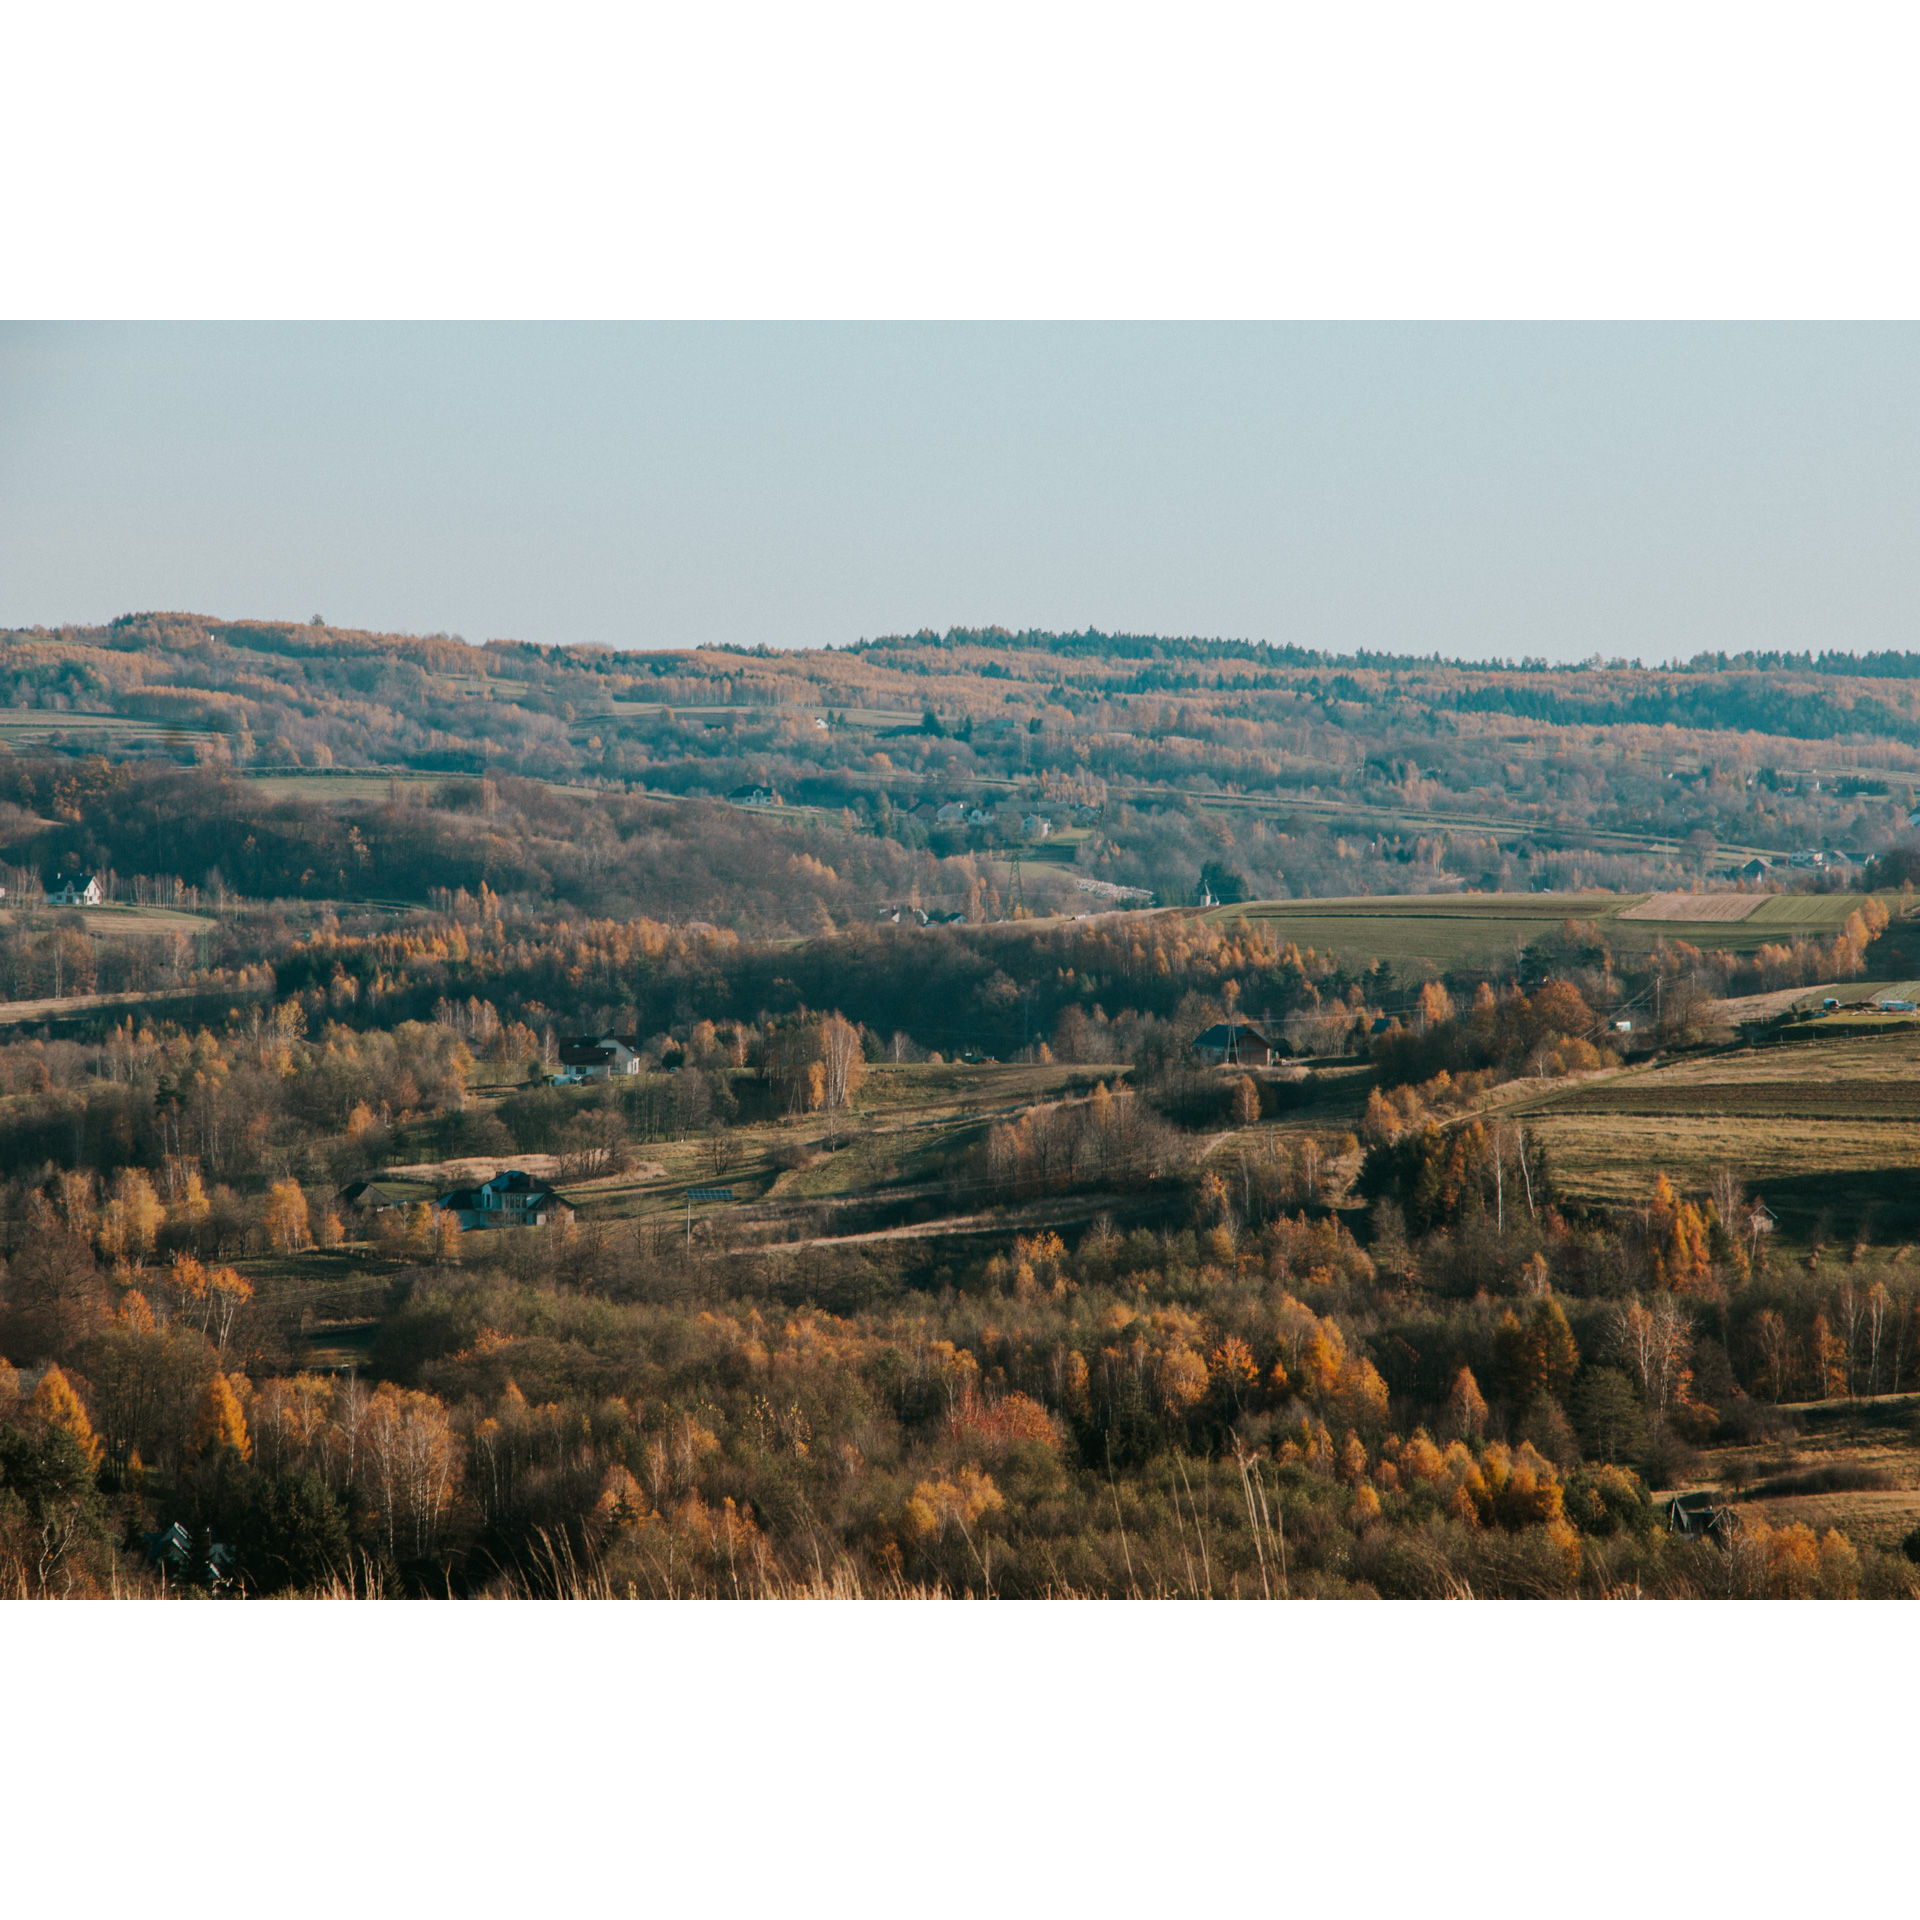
{"x":1503,"y":489}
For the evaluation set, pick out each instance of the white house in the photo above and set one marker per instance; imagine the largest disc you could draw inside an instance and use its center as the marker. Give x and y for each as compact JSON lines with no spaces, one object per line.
{"x":952,"y":814}
{"x":1036,"y":826}
{"x":604,"y":1059}
{"x":74,"y":890}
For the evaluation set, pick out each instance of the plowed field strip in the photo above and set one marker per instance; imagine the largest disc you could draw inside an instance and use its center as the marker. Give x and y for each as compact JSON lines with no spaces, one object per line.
{"x":1702,"y":909}
{"x":1890,"y":1100}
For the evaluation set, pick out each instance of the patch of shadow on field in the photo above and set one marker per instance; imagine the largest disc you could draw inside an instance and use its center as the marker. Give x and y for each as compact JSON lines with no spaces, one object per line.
{"x":1848,"y":1419}
{"x":1843,"y":1204}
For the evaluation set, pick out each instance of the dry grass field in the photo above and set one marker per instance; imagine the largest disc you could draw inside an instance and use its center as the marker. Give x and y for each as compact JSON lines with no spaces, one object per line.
{"x":1452,"y":929}
{"x":1440,"y":929}
{"x":121,"y":919}
{"x":1699,"y":908}
{"x":903,"y":1151}
{"x":1852,"y":1464}
{"x":329,"y":788}
{"x":1829,"y":1129}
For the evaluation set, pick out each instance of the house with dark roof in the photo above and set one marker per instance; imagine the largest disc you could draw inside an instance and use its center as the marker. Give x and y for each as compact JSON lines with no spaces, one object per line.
{"x":607,"y":1058}
{"x":364,"y":1196}
{"x":509,"y":1199}
{"x":1239,"y":1043}
{"x":202,"y":1562}
{"x":74,"y":890}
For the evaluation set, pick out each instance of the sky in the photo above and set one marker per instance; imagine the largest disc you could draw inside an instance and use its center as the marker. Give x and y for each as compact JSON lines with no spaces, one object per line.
{"x":1496,"y":490}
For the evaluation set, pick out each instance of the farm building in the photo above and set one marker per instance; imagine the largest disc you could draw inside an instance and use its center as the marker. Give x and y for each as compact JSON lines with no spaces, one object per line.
{"x":365,"y":1197}
{"x":1239,"y":1043}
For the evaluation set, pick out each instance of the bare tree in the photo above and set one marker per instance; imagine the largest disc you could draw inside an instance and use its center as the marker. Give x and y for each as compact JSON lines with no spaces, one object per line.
{"x":1879,"y":1307}
{"x":1727,"y":1195}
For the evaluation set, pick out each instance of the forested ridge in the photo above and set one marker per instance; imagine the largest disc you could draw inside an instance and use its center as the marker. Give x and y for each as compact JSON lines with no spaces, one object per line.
{"x":1284,"y":771}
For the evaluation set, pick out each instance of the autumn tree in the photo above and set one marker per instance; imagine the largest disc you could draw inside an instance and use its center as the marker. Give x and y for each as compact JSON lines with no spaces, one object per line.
{"x":1826,"y":1352}
{"x":408,"y":1466}
{"x":1537,"y":1357}
{"x":1552,"y":1357}
{"x":55,"y":1402}
{"x":52,"y":1516}
{"x":422,"y":1233}
{"x":219,"y":1423}
{"x":1653,"y":1341}
{"x":286,"y":1217}
{"x":131,"y":1220}
{"x":1466,"y":1416}
{"x":1234,"y":1374}
{"x":227,"y":1292}
{"x":843,"y":1062}
{"x":53,"y":1297}
{"x":956,"y":1504}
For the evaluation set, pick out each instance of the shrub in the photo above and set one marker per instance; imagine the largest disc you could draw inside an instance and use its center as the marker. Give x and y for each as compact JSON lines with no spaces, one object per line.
{"x":1842,"y":1477}
{"x":1603,"y":1501}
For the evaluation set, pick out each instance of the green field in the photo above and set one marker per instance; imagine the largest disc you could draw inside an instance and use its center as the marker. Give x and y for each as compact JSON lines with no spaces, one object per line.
{"x":99,"y":732}
{"x":123,"y":918}
{"x":325,"y":784}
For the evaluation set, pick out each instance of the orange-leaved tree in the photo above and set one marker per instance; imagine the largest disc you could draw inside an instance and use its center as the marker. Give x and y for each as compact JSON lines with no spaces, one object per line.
{"x":219,"y":1423}
{"x":55,"y":1401}
{"x":286,"y":1222}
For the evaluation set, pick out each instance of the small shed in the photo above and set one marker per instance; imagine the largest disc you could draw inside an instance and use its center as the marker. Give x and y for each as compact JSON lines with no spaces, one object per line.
{"x":364,"y":1196}
{"x":1239,"y":1043}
